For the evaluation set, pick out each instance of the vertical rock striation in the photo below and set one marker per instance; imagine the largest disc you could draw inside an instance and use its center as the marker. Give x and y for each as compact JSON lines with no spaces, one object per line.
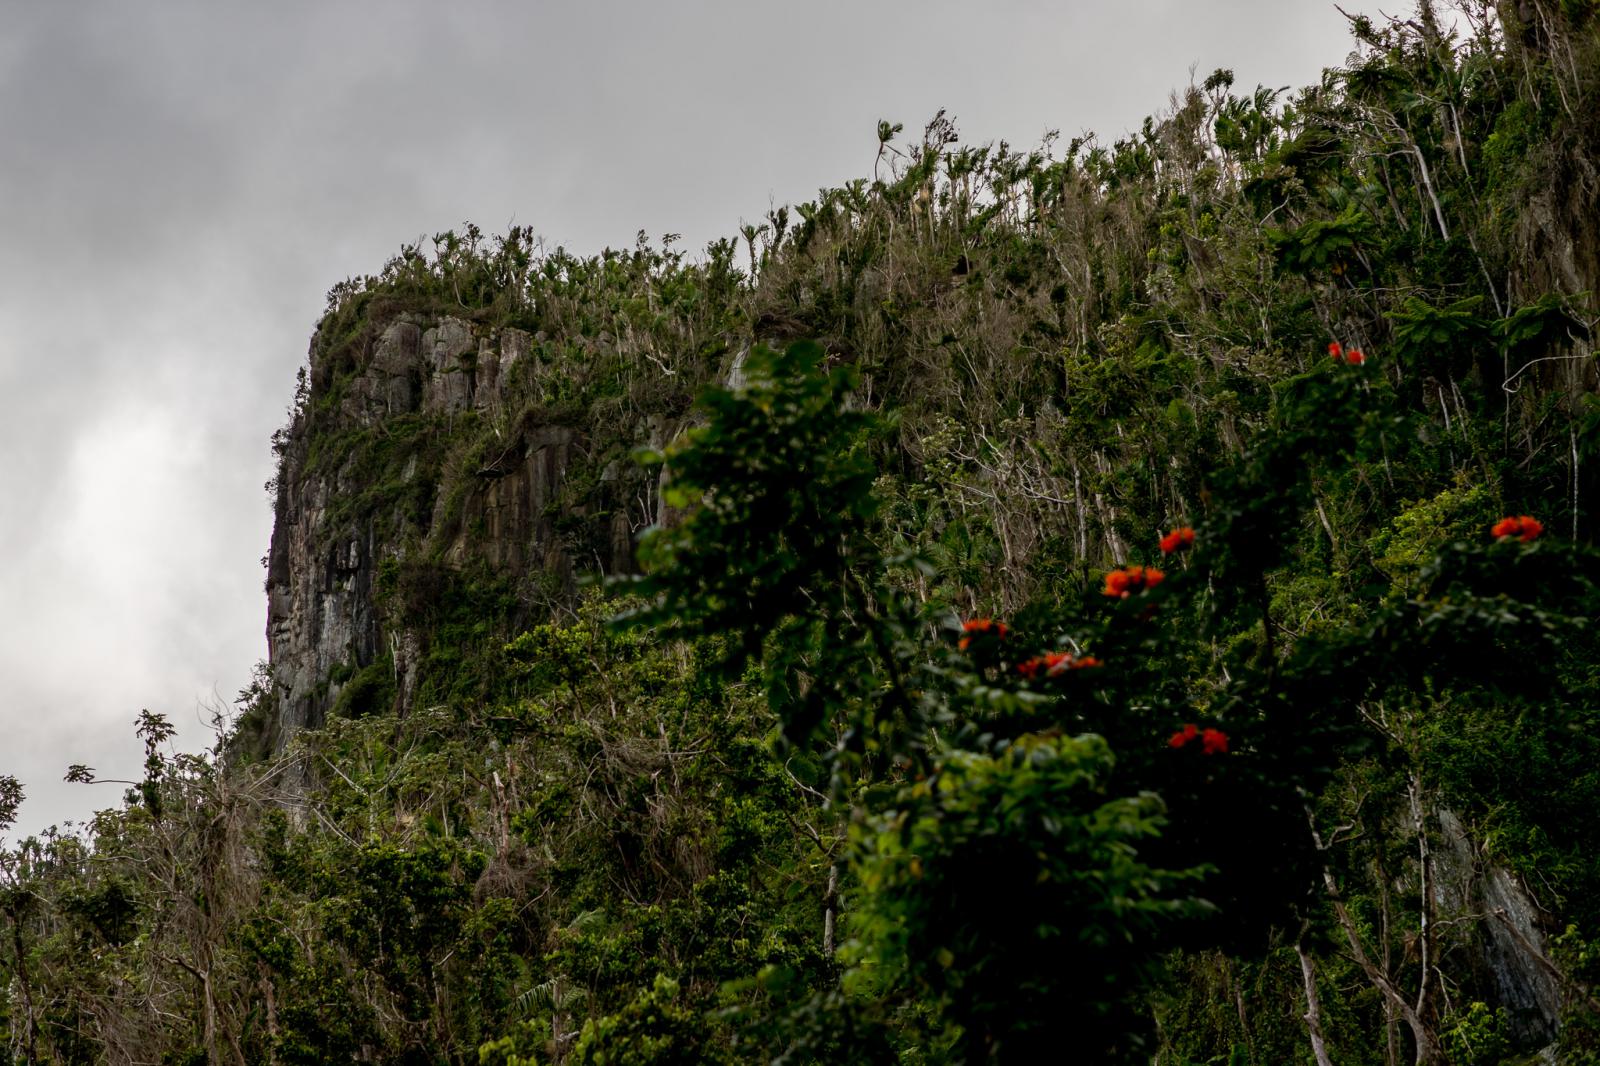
{"x":1510,"y":940}
{"x":425,"y":451}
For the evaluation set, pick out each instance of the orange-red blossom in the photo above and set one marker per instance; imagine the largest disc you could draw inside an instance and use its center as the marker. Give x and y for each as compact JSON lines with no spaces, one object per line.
{"x":1055,"y":664}
{"x":1523,"y":527}
{"x":1120,"y":584}
{"x":1340,"y":353}
{"x":1212,"y":741}
{"x":1177,"y":540}
{"x":981,"y":627}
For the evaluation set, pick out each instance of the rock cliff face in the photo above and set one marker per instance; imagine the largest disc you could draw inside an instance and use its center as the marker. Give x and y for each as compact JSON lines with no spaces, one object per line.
{"x":422,"y":453}
{"x":1511,"y":939}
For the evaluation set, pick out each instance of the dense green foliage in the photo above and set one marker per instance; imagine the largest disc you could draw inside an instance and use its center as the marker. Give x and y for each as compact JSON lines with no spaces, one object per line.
{"x":897,"y":750}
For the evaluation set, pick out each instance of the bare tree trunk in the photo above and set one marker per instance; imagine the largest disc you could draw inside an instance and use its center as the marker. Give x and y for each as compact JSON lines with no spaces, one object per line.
{"x":1426,"y":932}
{"x":1427,"y":181}
{"x":30,"y":1030}
{"x":1313,"y":1015}
{"x":1573,"y":437}
{"x":270,"y":1000}
{"x":207,"y":1006}
{"x":827,"y":913}
{"x":213,"y":1056}
{"x":1238,"y":1003}
{"x":1391,"y":1021}
{"x":1429,"y":1052}
{"x":559,"y":1034}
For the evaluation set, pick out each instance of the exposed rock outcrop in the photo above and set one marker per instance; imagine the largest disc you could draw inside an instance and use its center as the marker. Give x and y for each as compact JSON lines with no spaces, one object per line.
{"x":1511,"y":941}
{"x":422,"y":443}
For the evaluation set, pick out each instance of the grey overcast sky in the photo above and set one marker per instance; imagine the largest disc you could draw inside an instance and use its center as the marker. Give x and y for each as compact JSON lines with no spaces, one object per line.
{"x":181,"y":182}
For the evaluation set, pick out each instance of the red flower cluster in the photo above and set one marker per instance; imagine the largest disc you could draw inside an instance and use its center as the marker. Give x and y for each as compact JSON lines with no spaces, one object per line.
{"x":1212,"y":741}
{"x":1120,"y":584}
{"x":1342,"y":354}
{"x":1054,"y":664}
{"x":981,"y":627}
{"x":1523,"y":527}
{"x":1177,"y":540}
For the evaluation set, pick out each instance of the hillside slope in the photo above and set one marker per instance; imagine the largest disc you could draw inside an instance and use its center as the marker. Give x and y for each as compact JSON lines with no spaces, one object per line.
{"x":897,"y":773}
